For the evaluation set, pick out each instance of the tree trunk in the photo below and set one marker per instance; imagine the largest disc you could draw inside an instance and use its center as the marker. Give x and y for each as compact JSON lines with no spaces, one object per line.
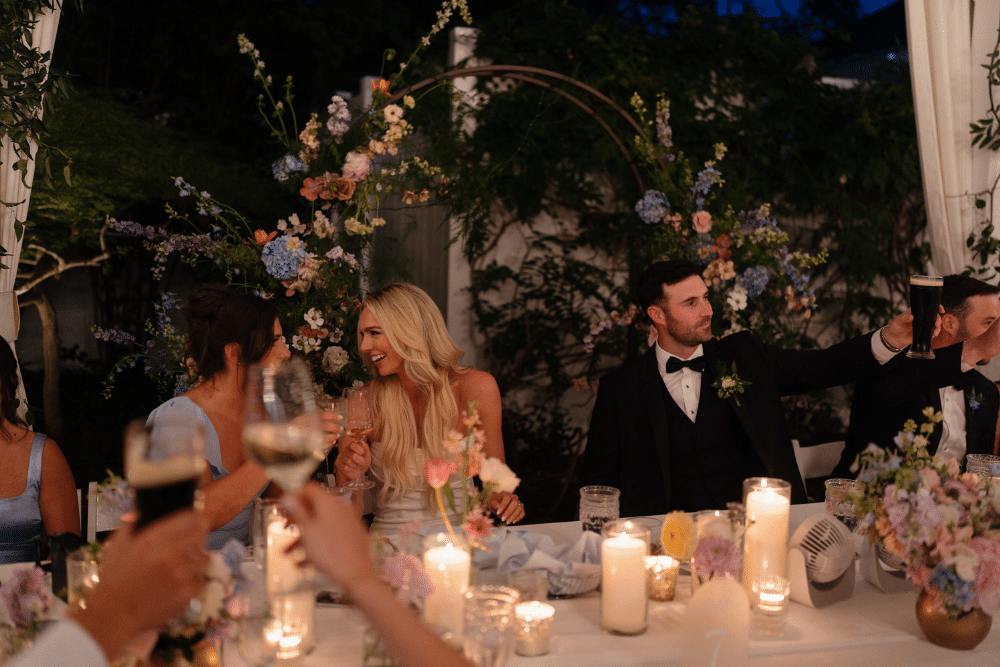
{"x":50,"y":350}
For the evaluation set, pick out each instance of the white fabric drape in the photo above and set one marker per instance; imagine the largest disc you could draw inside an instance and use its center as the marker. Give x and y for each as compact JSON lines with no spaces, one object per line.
{"x":949,"y":41}
{"x":12,"y":189}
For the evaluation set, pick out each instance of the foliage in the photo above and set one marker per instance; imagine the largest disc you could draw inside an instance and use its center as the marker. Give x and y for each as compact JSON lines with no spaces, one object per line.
{"x":986,"y":134}
{"x":342,"y":167}
{"x":939,"y":521}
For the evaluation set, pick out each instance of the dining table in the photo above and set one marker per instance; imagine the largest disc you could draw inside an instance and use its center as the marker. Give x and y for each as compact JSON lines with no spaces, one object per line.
{"x":869,"y":628}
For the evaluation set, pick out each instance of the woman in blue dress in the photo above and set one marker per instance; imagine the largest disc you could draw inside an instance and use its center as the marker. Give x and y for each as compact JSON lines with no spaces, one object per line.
{"x":227,"y":331}
{"x":37,"y":491}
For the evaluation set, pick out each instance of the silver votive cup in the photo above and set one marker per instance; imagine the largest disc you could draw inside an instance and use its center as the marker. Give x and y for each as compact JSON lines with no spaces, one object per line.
{"x":534,"y":627}
{"x":661,"y":577}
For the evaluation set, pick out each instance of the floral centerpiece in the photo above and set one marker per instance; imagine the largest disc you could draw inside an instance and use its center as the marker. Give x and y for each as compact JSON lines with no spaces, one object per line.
{"x":342,"y":163}
{"x":711,"y":541}
{"x":466,"y":460}
{"x":944,"y":525}
{"x":26,"y":600}
{"x":756,"y":282}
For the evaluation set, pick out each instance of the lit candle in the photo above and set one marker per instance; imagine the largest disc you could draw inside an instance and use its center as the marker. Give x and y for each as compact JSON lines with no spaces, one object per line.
{"x":662,"y":574}
{"x":447,"y":568}
{"x":770,"y":602}
{"x":766,"y":539}
{"x":534,"y":625}
{"x":284,"y":581}
{"x":623,"y":578}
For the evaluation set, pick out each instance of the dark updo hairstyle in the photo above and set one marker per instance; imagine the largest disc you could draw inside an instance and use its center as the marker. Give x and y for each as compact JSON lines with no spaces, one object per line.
{"x":8,"y":387}
{"x":217,"y":316}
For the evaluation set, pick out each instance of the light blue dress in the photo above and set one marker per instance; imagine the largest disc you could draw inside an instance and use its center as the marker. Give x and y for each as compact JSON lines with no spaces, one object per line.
{"x":20,"y":517}
{"x":184,"y":408}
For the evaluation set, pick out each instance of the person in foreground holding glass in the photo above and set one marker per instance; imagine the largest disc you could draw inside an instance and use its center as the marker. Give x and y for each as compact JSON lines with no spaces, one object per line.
{"x":37,"y":493}
{"x":336,"y":543}
{"x":418,"y":396}
{"x":228,"y":331}
{"x":147,"y":577}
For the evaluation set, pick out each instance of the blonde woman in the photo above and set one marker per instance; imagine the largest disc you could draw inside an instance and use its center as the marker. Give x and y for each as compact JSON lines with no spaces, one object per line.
{"x":418,"y":396}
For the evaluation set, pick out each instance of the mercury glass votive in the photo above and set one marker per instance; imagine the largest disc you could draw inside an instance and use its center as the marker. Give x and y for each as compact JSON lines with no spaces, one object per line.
{"x":534,"y":627}
{"x":770,"y":599}
{"x":661,"y":577}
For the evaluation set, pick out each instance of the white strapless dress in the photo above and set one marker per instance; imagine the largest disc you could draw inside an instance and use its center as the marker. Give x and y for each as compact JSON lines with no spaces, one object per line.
{"x":413,"y":504}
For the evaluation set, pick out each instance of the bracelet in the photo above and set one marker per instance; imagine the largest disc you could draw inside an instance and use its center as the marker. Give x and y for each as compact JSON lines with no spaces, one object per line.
{"x":885,"y":341}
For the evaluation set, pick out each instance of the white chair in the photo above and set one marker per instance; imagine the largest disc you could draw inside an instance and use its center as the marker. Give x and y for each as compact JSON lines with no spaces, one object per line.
{"x":102,"y":514}
{"x":818,"y":460}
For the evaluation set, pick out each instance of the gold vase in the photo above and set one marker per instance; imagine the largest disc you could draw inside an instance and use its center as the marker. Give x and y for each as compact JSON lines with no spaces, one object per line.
{"x":963,"y":633}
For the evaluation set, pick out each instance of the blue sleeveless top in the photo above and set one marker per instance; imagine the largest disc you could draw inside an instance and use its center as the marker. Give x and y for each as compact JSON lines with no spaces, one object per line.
{"x":239,"y":526}
{"x":20,"y":517}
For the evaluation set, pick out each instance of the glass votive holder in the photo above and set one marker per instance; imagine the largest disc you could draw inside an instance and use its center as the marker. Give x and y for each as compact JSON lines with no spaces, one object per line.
{"x":661,"y":577}
{"x":534,"y":627}
{"x":532,"y":584}
{"x":598,"y":505}
{"x":624,"y":602}
{"x":770,"y":600}
{"x":767,"y":502}
{"x":838,"y":501}
{"x":82,"y":574}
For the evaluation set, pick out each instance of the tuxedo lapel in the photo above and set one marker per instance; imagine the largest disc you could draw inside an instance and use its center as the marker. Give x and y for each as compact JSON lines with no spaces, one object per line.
{"x":709,"y":396}
{"x":653,"y":396}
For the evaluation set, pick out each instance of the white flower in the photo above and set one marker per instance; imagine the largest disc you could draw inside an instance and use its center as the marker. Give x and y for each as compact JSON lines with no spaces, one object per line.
{"x":393,"y":113}
{"x":335,"y":358}
{"x":409,"y":102}
{"x":336,"y":335}
{"x":496,"y":471}
{"x":737,"y":299}
{"x":314,"y":319}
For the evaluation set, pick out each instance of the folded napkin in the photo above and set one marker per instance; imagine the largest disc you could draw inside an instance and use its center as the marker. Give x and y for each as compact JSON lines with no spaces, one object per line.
{"x":525,"y":550}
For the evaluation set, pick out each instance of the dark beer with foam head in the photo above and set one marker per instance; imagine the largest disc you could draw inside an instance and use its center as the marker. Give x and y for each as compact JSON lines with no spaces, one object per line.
{"x":925,"y":300}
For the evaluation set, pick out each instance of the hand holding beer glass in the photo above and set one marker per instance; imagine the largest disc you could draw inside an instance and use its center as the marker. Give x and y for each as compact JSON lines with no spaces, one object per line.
{"x":925,"y":302}
{"x":163,"y":466}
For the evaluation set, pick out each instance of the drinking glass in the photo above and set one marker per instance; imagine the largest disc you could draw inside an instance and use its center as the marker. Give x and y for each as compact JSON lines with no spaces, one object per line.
{"x":270,"y":626}
{"x":489,"y":632}
{"x":598,"y":505}
{"x":281,"y":427}
{"x":163,"y":465}
{"x":359,"y":424}
{"x":838,"y":504}
{"x":925,"y":300}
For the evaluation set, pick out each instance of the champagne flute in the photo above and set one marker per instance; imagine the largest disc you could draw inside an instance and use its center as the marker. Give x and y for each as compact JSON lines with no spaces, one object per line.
{"x":359,"y":423}
{"x":281,"y":426}
{"x":163,"y":465}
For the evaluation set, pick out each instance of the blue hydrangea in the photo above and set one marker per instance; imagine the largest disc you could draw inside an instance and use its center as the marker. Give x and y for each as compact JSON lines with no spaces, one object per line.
{"x":286,"y":166}
{"x":706,"y":178}
{"x":754,"y":280}
{"x":281,"y":261}
{"x":754,"y":220}
{"x":653,"y":207}
{"x":955,"y":591}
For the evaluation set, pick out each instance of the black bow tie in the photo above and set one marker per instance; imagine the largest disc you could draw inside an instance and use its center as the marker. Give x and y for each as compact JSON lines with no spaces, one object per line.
{"x":697,"y":364}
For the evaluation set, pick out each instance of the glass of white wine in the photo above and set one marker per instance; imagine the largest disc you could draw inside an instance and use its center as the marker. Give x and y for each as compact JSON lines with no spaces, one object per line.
{"x":359,"y":424}
{"x":281,"y":425}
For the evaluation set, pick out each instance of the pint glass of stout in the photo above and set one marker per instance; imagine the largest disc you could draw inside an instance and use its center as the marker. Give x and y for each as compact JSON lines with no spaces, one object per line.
{"x":925,"y":300}
{"x":163,"y":465}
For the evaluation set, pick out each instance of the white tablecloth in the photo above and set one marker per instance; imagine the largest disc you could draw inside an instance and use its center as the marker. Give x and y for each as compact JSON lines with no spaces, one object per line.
{"x":871,"y":628}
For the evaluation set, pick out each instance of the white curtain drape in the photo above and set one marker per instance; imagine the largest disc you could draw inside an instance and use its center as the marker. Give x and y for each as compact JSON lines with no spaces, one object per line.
{"x":949,"y":41}
{"x":12,"y":189}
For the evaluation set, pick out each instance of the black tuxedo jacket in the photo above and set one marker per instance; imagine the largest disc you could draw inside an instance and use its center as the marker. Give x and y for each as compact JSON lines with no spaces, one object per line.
{"x":628,"y":447}
{"x":902,"y":388}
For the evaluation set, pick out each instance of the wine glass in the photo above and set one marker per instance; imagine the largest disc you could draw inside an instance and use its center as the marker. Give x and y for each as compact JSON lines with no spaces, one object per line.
{"x":281,"y":425}
{"x":359,"y":424}
{"x":163,"y":465}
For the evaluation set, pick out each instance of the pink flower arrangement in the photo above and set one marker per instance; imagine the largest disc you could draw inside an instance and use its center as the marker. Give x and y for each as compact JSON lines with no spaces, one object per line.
{"x":940,"y":522}
{"x":467,"y":460}
{"x":25,"y":596}
{"x":716,"y":557}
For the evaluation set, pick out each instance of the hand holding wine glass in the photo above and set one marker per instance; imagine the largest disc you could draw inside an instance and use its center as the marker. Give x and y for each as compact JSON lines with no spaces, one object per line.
{"x":281,"y":428}
{"x":354,"y":457}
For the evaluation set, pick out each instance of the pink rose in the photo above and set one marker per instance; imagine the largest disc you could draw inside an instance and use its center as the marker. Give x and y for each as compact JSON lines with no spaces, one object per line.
{"x":357,"y":166}
{"x":437,"y":471}
{"x":702,"y":221}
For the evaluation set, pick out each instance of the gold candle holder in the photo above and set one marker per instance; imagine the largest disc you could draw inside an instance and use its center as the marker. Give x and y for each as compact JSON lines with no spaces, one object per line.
{"x":661,"y":577}
{"x":534,"y":627}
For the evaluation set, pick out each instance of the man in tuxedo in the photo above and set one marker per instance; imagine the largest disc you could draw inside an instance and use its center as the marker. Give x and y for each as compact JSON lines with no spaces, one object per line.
{"x":667,"y":432}
{"x":904,"y":387}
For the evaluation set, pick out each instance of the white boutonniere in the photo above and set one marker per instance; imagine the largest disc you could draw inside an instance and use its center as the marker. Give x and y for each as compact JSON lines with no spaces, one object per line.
{"x":728,"y":382}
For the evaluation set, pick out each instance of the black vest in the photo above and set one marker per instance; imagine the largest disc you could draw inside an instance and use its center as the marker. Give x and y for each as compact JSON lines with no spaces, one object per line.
{"x":709,"y":458}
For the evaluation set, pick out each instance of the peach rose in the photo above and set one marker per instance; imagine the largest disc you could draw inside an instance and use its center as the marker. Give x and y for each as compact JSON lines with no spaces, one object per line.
{"x":702,"y":221}
{"x":339,"y":188}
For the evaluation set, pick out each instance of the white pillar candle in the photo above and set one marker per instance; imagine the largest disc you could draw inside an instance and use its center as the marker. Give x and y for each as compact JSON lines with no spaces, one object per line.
{"x":623,"y":579}
{"x":766,"y":539}
{"x":447,"y":568}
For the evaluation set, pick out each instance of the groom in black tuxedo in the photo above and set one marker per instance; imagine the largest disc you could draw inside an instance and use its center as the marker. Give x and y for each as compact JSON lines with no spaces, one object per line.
{"x":903,"y":387}
{"x":662,"y":433}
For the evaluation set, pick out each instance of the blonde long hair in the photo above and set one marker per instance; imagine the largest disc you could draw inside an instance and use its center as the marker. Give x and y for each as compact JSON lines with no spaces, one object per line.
{"x":413,"y":326}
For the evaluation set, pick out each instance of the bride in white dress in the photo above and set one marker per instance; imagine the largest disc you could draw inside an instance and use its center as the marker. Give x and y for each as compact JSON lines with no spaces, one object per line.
{"x":418,"y":396}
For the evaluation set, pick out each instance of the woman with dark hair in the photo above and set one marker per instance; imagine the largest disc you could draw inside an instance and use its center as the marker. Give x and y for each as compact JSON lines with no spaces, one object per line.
{"x":37,"y":491}
{"x":227,"y":331}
